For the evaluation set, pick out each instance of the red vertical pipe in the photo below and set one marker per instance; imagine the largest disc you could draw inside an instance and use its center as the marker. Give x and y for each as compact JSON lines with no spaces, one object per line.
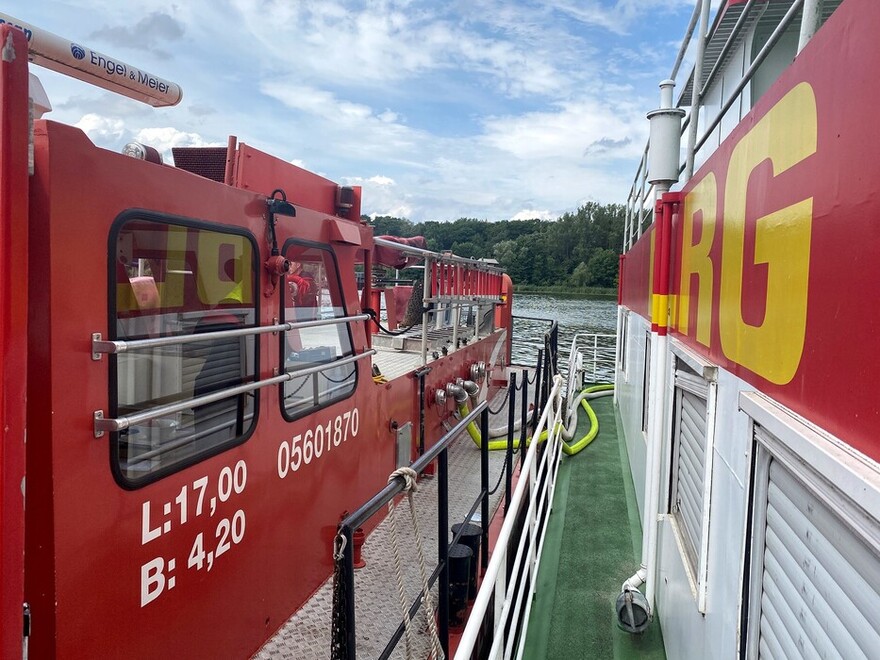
{"x":670,"y":203}
{"x":14,"y":135}
{"x":658,"y":259}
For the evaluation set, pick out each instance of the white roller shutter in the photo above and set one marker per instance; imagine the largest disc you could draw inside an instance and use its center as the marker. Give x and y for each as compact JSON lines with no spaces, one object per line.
{"x":691,"y":393}
{"x":817,"y":581}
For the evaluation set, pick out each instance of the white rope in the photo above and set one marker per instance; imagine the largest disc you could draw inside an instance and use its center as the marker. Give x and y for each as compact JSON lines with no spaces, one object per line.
{"x":410,"y":486}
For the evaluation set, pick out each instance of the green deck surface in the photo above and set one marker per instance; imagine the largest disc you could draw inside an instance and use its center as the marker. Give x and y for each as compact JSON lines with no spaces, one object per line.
{"x":593,"y":543}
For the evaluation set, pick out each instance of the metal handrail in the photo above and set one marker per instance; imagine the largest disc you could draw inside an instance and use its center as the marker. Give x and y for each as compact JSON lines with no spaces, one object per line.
{"x":437,"y":256}
{"x":598,"y":350}
{"x":103,"y":424}
{"x":731,"y":39}
{"x":687,"y":38}
{"x":636,"y":202}
{"x":123,"y":346}
{"x":508,"y":601}
{"x":747,"y":76}
{"x":394,"y":487}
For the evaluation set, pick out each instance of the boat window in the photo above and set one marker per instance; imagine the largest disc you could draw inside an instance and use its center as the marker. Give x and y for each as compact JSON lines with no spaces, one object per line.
{"x":646,"y":382}
{"x":812,"y":580}
{"x":691,"y":466}
{"x":623,"y":337}
{"x":312,"y":292}
{"x":176,"y":280}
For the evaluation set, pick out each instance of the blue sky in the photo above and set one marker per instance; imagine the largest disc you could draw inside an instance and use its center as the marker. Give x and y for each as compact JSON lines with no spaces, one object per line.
{"x":484,"y":108}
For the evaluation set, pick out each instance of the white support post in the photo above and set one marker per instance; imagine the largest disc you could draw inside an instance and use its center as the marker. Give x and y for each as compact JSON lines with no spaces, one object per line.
{"x":695,"y":91}
{"x":811,"y":18}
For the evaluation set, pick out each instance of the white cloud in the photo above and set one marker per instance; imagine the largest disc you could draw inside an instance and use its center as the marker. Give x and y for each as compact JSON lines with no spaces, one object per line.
{"x":486,"y":108}
{"x":568,"y":131}
{"x":532,"y":214}
{"x":167,"y":137}
{"x":101,"y":129}
{"x":618,"y":18}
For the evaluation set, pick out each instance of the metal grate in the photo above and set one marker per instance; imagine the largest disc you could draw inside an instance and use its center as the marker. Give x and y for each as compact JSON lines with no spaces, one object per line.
{"x":209,"y":162}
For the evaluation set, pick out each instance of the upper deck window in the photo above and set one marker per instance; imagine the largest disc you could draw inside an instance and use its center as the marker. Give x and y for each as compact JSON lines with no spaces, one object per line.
{"x":312,"y":292}
{"x":179,"y":279}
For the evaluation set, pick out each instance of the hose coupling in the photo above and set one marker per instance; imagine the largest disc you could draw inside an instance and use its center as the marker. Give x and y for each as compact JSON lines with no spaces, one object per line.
{"x":457,"y":392}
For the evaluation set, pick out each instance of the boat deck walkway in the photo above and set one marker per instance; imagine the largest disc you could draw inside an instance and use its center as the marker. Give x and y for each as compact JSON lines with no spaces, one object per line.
{"x":307,"y":634}
{"x":593,"y":544}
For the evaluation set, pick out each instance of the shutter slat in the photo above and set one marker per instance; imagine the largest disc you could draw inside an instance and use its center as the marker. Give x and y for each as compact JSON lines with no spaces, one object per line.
{"x":804,"y":629}
{"x":820,"y":592}
{"x":808,"y":568}
{"x":689,"y":491}
{"x":769,"y":645}
{"x":691,"y":464}
{"x":787,"y":647}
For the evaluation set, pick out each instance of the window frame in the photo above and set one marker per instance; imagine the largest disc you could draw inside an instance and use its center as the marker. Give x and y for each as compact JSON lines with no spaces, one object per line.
{"x":282,"y":341}
{"x":646,"y":383}
{"x":696,"y":562}
{"x":159,"y":218}
{"x":835,"y":473}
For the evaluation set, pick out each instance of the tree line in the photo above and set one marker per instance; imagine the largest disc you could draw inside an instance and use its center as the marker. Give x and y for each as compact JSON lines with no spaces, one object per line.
{"x":576,"y":250}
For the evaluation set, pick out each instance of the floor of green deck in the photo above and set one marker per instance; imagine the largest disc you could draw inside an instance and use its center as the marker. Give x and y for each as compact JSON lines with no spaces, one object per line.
{"x":593,"y":543}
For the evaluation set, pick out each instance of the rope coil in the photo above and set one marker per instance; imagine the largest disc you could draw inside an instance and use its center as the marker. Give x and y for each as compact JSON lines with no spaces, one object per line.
{"x":410,"y":486}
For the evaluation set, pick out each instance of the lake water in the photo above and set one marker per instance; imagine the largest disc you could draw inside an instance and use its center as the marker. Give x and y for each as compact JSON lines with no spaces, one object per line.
{"x":574,"y":315}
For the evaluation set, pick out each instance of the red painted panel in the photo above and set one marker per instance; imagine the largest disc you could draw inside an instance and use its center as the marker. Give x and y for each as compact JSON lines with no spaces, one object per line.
{"x":13,"y":330}
{"x":832,"y":381}
{"x":259,"y":172}
{"x":635,"y":276}
{"x":89,"y":540}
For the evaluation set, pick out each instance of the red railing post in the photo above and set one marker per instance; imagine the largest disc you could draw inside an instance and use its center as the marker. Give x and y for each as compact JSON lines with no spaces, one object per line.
{"x":13,"y":331}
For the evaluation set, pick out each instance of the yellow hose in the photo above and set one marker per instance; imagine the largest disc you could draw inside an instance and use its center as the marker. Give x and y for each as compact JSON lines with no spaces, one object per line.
{"x":500,"y":444}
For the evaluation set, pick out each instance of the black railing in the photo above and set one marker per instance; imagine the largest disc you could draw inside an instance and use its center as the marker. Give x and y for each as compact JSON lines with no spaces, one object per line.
{"x":344,"y":642}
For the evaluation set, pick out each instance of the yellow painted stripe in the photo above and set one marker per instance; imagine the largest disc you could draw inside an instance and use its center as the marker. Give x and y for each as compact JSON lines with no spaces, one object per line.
{"x":661,"y":310}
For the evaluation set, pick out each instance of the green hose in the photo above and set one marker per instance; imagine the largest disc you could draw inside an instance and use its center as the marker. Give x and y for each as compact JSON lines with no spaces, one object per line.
{"x":500,"y":444}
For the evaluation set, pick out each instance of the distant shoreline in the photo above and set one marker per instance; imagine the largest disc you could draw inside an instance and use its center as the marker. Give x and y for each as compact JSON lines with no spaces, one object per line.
{"x":566,"y":291}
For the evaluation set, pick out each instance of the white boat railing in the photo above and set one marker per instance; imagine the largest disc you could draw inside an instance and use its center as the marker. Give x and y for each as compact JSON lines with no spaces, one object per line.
{"x":591,"y":360}
{"x":713,"y":47}
{"x":505,"y":596}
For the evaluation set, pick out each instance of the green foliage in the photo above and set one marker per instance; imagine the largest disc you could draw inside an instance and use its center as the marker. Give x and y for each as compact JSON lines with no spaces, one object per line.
{"x":578,"y":250}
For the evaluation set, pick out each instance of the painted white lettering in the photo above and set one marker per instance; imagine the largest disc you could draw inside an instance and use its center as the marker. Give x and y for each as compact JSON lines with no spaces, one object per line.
{"x":147,"y":533}
{"x":152,"y":580}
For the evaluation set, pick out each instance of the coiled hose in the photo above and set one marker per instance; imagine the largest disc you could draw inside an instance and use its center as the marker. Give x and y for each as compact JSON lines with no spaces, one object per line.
{"x":594,"y":392}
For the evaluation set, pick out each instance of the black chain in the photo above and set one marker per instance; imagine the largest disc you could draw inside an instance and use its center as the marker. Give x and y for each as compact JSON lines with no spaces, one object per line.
{"x":393,"y":333}
{"x":501,"y":407}
{"x":339,"y":626}
{"x":500,"y":476}
{"x":342,"y":380}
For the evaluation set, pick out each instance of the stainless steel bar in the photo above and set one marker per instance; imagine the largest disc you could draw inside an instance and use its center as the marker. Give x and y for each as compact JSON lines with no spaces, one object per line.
{"x":426,"y":293}
{"x":123,"y":346}
{"x":122,"y":423}
{"x":759,"y":58}
{"x":687,"y":39}
{"x":725,"y":49}
{"x":695,"y":91}
{"x":441,"y":258}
